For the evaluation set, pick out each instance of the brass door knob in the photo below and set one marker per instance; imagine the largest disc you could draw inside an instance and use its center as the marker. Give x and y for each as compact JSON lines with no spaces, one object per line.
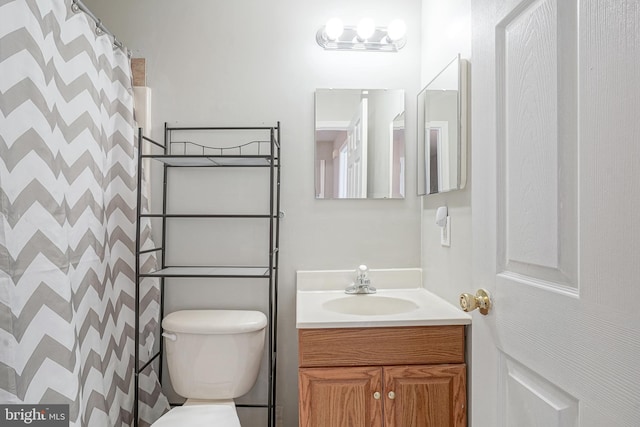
{"x":391,"y":395}
{"x":376,"y":395}
{"x":481,"y":300}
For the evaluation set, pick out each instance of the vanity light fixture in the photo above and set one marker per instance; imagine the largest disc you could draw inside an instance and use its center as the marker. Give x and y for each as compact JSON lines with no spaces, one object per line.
{"x":334,"y":35}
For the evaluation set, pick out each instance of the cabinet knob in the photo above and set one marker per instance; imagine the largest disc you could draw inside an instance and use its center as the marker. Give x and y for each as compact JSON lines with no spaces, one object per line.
{"x":392,"y":395}
{"x":376,"y":395}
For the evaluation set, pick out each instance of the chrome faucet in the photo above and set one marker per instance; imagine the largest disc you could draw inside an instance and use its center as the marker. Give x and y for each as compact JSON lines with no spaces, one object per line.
{"x":362,"y":284}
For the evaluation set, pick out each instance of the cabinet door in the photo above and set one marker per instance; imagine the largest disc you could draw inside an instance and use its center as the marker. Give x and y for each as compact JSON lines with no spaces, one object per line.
{"x":425,"y":396}
{"x":340,"y":397}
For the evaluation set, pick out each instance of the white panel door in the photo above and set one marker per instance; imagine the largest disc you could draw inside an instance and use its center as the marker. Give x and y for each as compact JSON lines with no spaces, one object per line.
{"x":556,"y":213}
{"x":357,"y":153}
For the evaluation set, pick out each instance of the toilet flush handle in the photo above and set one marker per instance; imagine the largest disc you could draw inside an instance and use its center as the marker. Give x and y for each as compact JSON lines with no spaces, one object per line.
{"x":171,"y":337}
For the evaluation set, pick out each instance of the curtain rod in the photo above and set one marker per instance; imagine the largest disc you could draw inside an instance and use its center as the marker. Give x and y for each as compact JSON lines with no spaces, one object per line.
{"x":79,"y":6}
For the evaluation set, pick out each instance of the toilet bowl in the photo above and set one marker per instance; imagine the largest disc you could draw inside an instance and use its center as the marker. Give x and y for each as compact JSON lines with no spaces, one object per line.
{"x":213,"y":356}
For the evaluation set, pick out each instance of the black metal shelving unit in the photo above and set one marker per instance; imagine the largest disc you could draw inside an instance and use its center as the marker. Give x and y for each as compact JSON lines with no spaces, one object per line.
{"x":264,"y":153}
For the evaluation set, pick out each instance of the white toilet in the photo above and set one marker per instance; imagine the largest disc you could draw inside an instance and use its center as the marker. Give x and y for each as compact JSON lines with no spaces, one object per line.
{"x":213,"y":357}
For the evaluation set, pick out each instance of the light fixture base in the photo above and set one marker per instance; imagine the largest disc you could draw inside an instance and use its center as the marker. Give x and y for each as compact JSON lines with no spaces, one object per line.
{"x":378,"y":42}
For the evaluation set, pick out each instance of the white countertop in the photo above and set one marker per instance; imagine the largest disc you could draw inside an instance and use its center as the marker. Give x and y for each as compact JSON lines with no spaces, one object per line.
{"x":315,"y":288}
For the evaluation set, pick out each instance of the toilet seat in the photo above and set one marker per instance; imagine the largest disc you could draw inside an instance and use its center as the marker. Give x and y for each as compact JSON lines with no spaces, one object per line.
{"x":199,"y":416}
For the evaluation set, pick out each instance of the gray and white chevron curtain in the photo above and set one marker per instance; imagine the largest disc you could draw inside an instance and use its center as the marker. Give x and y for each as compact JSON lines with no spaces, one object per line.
{"x":67,"y":220}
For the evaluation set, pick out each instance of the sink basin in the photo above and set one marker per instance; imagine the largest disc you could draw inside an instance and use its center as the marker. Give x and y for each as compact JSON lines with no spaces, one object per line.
{"x":369,"y":305}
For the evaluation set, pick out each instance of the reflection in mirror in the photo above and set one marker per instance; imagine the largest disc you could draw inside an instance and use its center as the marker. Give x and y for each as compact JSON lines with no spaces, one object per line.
{"x":442,"y":131}
{"x":359,"y":144}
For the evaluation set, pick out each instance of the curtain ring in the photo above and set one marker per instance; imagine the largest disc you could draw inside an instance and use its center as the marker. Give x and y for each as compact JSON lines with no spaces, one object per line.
{"x":75,"y":8}
{"x":99,"y":31}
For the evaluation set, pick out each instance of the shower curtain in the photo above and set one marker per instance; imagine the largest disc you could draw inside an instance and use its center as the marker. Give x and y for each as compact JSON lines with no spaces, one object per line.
{"x":67,"y":220}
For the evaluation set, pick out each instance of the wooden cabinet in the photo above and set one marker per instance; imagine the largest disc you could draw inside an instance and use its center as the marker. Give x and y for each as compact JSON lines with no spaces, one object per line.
{"x":425,"y":395}
{"x":374,"y":377}
{"x":340,"y":397}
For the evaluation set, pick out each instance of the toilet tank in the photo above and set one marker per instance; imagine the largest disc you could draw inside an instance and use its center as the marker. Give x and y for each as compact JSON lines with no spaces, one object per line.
{"x":214,"y":354}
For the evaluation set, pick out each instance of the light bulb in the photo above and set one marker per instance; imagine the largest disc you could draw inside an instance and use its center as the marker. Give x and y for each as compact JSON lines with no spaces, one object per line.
{"x":334,"y":28}
{"x":366,"y":28}
{"x":396,"y":30}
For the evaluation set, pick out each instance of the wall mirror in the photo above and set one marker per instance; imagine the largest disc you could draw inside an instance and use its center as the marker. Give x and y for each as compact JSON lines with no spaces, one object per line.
{"x":359,"y":144}
{"x":442,"y":131}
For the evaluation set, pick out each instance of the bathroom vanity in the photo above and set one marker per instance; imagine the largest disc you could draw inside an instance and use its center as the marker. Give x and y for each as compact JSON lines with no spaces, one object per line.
{"x":395,"y":365}
{"x":403,"y":376}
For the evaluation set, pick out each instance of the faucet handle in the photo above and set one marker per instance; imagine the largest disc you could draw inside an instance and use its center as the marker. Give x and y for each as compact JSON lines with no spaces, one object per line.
{"x":363,"y":270}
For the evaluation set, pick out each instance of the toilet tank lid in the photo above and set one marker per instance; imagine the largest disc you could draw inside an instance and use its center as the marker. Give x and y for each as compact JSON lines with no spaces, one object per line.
{"x":214,"y":321}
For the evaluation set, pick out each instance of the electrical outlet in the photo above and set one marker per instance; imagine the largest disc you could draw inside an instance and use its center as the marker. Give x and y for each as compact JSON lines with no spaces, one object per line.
{"x":445,"y":233}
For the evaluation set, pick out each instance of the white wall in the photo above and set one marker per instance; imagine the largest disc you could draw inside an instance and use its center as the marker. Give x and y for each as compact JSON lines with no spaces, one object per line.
{"x":445,"y":33}
{"x":252,"y":62}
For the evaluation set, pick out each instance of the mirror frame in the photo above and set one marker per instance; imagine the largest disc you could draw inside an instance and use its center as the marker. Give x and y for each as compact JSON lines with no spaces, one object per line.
{"x":462,"y":127}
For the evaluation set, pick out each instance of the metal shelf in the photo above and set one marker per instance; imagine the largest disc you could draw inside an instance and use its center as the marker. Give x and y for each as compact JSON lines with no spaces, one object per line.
{"x":227,"y":272}
{"x":204,"y":216}
{"x":212,"y":160}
